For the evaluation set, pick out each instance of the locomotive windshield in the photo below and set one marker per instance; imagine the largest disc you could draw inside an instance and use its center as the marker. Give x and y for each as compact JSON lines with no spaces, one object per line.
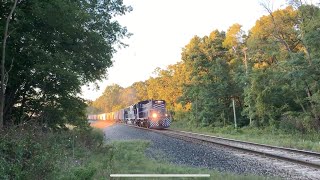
{"x":159,"y":111}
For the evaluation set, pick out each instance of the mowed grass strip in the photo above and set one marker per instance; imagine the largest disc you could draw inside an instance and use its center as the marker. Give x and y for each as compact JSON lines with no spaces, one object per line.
{"x":271,"y":136}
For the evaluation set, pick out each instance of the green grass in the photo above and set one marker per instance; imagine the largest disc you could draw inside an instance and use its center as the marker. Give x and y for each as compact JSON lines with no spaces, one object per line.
{"x":271,"y":136}
{"x":34,"y":153}
{"x":128,"y":157}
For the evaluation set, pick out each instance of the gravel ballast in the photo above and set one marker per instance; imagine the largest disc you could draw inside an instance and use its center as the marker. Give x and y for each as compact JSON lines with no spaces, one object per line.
{"x":183,"y":152}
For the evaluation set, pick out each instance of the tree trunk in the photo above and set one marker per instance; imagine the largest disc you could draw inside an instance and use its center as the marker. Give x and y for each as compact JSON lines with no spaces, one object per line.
{"x":2,"y":68}
{"x":313,"y":106}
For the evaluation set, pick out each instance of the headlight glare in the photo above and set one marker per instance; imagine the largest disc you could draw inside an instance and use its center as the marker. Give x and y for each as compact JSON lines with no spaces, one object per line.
{"x":154,"y":115}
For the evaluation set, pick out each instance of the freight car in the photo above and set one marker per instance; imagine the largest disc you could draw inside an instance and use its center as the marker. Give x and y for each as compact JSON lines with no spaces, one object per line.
{"x":97,"y":116}
{"x":148,"y":113}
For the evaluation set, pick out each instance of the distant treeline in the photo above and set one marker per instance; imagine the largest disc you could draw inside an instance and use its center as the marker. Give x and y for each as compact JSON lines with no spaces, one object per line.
{"x":272,"y":73}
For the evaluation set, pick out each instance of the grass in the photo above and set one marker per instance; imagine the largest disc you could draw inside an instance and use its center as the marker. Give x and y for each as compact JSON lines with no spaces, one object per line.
{"x":128,"y":157}
{"x":34,"y":153}
{"x":271,"y":136}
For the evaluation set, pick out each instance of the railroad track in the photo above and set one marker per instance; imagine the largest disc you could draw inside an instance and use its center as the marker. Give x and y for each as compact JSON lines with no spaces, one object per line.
{"x":301,"y":157}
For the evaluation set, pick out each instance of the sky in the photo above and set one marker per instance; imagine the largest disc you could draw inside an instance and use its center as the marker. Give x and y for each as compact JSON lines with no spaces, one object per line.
{"x":161,"y":28}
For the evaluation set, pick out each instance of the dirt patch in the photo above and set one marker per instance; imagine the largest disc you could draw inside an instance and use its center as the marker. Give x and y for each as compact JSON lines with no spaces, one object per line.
{"x":102,"y":124}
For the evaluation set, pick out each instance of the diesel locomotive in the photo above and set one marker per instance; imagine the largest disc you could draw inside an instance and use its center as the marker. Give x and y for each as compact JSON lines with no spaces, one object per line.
{"x":148,"y":113}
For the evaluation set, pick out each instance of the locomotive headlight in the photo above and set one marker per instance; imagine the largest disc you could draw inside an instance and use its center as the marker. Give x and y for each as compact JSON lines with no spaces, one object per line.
{"x":166,"y":115}
{"x":154,"y":115}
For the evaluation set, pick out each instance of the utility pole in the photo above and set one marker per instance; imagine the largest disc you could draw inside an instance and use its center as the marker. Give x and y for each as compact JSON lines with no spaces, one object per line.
{"x":244,"y":50}
{"x":234,"y":113}
{"x":197,"y":108}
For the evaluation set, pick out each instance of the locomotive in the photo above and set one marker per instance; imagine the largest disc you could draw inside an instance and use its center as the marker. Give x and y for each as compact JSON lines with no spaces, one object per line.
{"x":148,"y":113}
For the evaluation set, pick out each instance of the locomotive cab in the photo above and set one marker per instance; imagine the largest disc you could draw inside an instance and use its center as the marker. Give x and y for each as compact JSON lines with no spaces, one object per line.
{"x":152,"y":114}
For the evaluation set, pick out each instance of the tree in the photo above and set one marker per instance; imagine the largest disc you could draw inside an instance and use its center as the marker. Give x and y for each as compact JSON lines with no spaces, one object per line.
{"x":110,"y":99}
{"x":55,"y":55}
{"x":4,"y":75}
{"x":309,"y":16}
{"x":141,"y":90}
{"x":284,"y":78}
{"x":271,"y":41}
{"x":234,"y":37}
{"x":274,"y":36}
{"x":127,"y":96}
{"x":210,"y":89}
{"x":237,"y":59}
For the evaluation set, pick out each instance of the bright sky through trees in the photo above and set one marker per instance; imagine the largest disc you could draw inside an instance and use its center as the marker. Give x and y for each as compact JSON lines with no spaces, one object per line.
{"x":161,"y":28}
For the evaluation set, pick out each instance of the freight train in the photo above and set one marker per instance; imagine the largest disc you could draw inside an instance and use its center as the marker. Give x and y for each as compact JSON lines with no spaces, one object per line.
{"x":148,"y":113}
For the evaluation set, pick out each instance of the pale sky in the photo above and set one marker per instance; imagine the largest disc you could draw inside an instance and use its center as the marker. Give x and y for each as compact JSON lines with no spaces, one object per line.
{"x":161,"y":28}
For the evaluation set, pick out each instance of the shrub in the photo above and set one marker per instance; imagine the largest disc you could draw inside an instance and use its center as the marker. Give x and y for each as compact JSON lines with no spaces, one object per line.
{"x":30,"y":151}
{"x":293,"y":122}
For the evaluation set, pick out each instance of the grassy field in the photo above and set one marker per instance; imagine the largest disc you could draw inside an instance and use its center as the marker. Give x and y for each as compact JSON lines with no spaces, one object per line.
{"x":307,"y":141}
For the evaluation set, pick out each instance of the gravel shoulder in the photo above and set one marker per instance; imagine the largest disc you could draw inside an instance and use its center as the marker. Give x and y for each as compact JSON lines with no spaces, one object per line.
{"x":182,"y":152}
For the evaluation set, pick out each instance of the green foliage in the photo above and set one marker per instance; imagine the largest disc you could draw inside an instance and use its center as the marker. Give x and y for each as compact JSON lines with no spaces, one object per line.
{"x":212,"y":84}
{"x":285,"y":73}
{"x":128,"y":157}
{"x":109,"y":99}
{"x":309,"y":16}
{"x":116,"y":97}
{"x":34,"y":152}
{"x":55,"y":48}
{"x":272,"y":74}
{"x":167,"y":85}
{"x":78,"y":154}
{"x":90,"y":109}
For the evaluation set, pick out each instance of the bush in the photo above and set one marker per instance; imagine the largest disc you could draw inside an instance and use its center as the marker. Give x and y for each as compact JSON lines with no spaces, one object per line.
{"x":30,"y":151}
{"x":293,"y":122}
{"x":25,"y":153}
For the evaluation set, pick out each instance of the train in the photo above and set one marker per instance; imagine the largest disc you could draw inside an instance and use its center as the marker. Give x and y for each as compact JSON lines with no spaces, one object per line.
{"x":147,"y":113}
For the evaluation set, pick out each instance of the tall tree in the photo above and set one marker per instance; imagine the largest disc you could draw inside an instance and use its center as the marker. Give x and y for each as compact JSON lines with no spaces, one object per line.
{"x":209,"y":88}
{"x":110,"y":99}
{"x":4,"y":74}
{"x":141,"y":90}
{"x":284,"y":77}
{"x":235,"y":42}
{"x":55,"y":55}
{"x":234,"y":37}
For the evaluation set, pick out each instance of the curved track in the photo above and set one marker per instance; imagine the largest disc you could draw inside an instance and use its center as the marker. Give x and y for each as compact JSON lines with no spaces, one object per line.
{"x":306,"y":158}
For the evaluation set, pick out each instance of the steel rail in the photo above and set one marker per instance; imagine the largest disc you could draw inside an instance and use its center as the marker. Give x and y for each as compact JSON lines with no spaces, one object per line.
{"x":317,"y":154}
{"x":210,"y":139}
{"x":272,"y":155}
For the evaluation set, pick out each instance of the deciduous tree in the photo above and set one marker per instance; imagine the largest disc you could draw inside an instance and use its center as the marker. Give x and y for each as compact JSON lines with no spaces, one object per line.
{"x":57,"y":47}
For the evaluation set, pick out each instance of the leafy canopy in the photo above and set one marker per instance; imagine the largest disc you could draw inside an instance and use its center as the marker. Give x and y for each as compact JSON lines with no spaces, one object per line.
{"x":56,"y":47}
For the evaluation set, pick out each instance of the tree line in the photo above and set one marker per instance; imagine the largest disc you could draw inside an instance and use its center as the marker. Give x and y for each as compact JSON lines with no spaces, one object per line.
{"x":271,"y":73}
{"x":51,"y":49}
